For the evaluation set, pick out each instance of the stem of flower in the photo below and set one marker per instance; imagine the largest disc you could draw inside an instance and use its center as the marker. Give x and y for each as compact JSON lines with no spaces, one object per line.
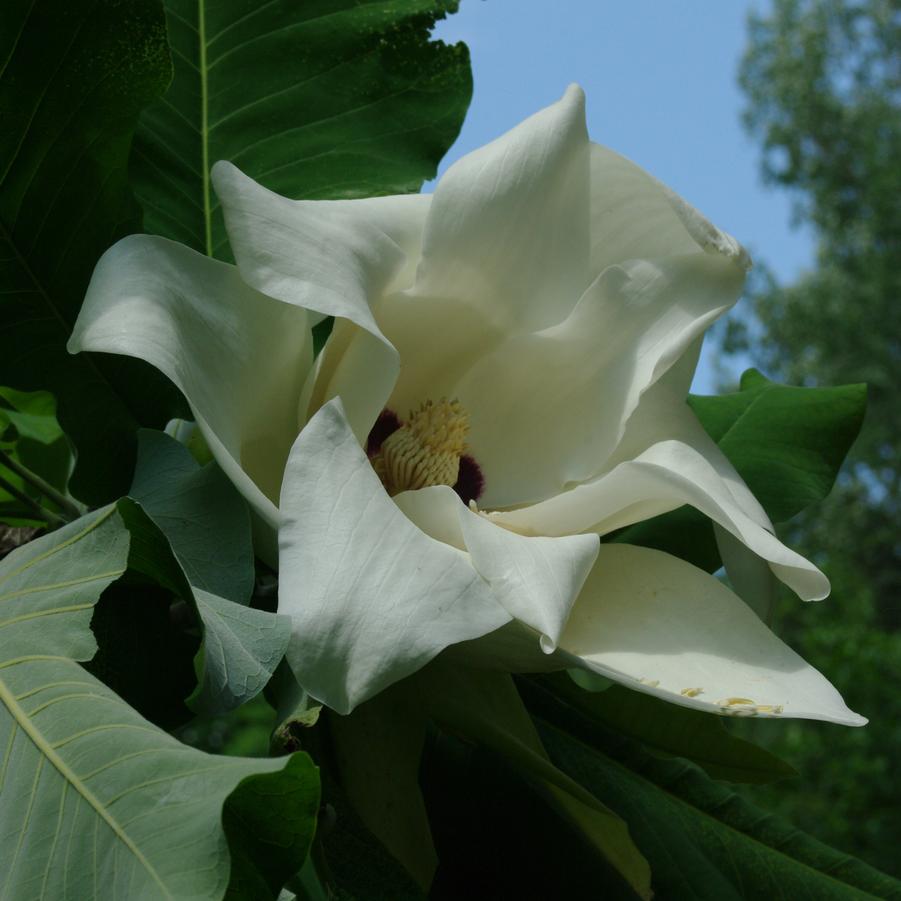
{"x":64,"y":503}
{"x":39,"y":512}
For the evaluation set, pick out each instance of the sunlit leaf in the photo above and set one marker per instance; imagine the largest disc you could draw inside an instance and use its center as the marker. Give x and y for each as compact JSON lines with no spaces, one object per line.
{"x":321,"y":99}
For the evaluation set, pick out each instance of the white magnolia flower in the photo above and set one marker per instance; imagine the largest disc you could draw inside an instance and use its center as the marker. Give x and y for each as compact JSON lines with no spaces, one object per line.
{"x":505,"y":383}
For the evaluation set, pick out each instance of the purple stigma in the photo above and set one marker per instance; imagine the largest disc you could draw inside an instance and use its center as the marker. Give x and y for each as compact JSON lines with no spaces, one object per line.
{"x":387,"y":424}
{"x":470,"y":481}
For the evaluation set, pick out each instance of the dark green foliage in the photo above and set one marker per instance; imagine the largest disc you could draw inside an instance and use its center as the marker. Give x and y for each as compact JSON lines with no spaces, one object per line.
{"x":320,"y":99}
{"x":31,"y":436}
{"x":673,"y":731}
{"x":500,"y":835}
{"x":75,"y":77}
{"x":702,"y":839}
{"x":144,"y":652}
{"x":823,"y":90}
{"x":270,"y":820}
{"x":354,"y":864}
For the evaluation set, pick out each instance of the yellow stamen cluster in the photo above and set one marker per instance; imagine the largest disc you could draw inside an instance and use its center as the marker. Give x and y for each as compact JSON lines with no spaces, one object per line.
{"x":426,"y":450}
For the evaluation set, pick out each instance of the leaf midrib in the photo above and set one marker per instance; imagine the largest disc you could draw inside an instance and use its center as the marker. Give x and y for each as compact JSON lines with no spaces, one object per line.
{"x":204,"y":128}
{"x":22,"y":719}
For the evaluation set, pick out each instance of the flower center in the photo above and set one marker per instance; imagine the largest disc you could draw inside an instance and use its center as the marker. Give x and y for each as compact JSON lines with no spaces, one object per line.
{"x":428,"y":449}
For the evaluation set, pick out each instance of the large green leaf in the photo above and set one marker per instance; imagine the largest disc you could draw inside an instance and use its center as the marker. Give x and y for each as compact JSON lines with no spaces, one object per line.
{"x":702,"y":840}
{"x":207,"y":527}
{"x":674,"y":731}
{"x":787,"y":443}
{"x":74,"y":78}
{"x":319,"y":99}
{"x":94,"y":800}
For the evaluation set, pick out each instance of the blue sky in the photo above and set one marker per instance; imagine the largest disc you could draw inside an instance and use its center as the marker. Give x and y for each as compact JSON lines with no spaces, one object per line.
{"x":660,"y":78}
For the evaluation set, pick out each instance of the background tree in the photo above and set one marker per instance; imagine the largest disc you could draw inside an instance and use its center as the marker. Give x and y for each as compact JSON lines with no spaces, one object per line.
{"x":823,"y":85}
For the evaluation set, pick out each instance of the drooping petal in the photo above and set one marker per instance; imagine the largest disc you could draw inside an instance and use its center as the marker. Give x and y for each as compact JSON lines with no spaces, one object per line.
{"x":371,"y":596}
{"x":507,"y":230}
{"x":667,"y":475}
{"x":561,"y":398}
{"x":537,"y":580}
{"x":662,"y":626}
{"x":332,"y":257}
{"x":238,"y":356}
{"x":663,"y":414}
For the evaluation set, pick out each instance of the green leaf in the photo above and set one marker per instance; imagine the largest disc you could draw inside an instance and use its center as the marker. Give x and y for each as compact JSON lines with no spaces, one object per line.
{"x":321,"y":99}
{"x":64,"y":199}
{"x":270,"y":822}
{"x":31,"y":435}
{"x":673,"y":731}
{"x":786,"y":443}
{"x":95,"y":801}
{"x":201,"y":514}
{"x":358,"y":866}
{"x":206,"y":525}
{"x":48,"y":587}
{"x":702,"y":840}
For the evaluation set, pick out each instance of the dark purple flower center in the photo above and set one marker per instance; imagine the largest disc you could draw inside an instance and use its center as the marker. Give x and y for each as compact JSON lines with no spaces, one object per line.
{"x":470,"y":481}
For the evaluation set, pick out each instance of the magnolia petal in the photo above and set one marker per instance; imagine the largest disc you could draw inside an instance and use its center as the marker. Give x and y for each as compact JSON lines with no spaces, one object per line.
{"x":634,"y":216}
{"x":508,"y":227}
{"x":434,"y":510}
{"x":662,"y":414}
{"x":372,"y":598}
{"x":662,"y":626}
{"x":239,"y":357}
{"x":667,"y":475}
{"x":333,"y":257}
{"x":751,"y":579}
{"x":537,"y":580}
{"x":567,"y":396}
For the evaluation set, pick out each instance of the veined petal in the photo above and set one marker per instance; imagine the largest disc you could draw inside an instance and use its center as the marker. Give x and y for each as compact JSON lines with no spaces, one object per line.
{"x":372,"y":597}
{"x":239,"y":357}
{"x":662,"y":626}
{"x":566,"y":393}
{"x":332,"y":257}
{"x":508,"y":227}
